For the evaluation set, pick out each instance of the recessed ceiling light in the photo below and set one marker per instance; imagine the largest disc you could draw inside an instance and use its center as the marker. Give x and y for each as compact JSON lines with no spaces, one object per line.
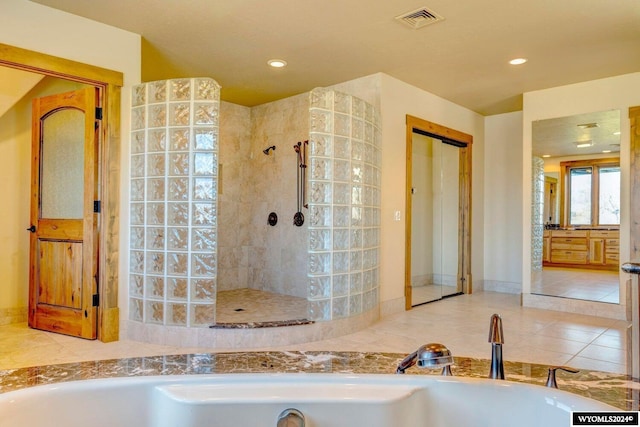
{"x":617,"y":133}
{"x":277,"y":63}
{"x":584,"y":144}
{"x":518,"y":61}
{"x":606,"y":151}
{"x":546,"y":155}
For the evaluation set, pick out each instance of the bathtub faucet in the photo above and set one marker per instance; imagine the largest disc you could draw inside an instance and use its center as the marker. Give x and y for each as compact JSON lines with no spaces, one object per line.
{"x":290,"y":418}
{"x":431,"y":355}
{"x":496,"y":338}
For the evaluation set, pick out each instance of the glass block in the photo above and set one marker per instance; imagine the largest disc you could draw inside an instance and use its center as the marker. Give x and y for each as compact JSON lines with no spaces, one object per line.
{"x":205,"y":164}
{"x":137,"y":214}
{"x":357,"y":108}
{"x":320,"y":168}
{"x":157,"y":116}
{"x":139,"y":95}
{"x":203,"y":214}
{"x":319,"y":263}
{"x":341,"y":102}
{"x":203,"y":189}
{"x":368,"y":136}
{"x":154,"y":312}
{"x":203,"y":239}
{"x":356,"y":195}
{"x":341,"y":193}
{"x":340,"y":238}
{"x":136,"y":238}
{"x":180,"y":89}
{"x":319,"y":240}
{"x":179,"y":139}
{"x":205,"y":139}
{"x":176,"y":314}
{"x":178,"y":189}
{"x":138,"y":115}
{"x":137,"y":165}
{"x":320,"y":121}
{"x":340,"y":285}
{"x":136,"y":285}
{"x":136,"y":261}
{"x":203,"y":290}
{"x":355,"y":282}
{"x":155,"y":189}
{"x":341,"y":216}
{"x":206,"y":89}
{"x":321,"y":145}
{"x":355,"y":260}
{"x":177,"y":238}
{"x":177,"y":263}
{"x":342,"y":124}
{"x":137,"y":142}
{"x":155,"y":238}
{"x":342,"y":147}
{"x":157,"y":140}
{"x":155,"y":214}
{"x":177,"y":288}
{"x":320,"y":98}
{"x":136,"y":309}
{"x":357,"y":217}
{"x":357,"y":129}
{"x":203,"y":264}
{"x":367,"y":280}
{"x":137,"y":190}
{"x":342,"y":170}
{"x":203,"y":314}
{"x":319,"y":216}
{"x":155,"y":263}
{"x":177,"y":213}
{"x":355,"y":304}
{"x":154,"y":287}
{"x":155,"y":165}
{"x":357,"y":150}
{"x":320,"y":309}
{"x":356,"y":239}
{"x":179,"y":164}
{"x":340,"y":262}
{"x":179,"y":114}
{"x":205,"y":113}
{"x":368,"y":153}
{"x":340,"y":307}
{"x":320,"y":287}
{"x":320,"y":192}
{"x":369,"y":112}
{"x":157,"y":91}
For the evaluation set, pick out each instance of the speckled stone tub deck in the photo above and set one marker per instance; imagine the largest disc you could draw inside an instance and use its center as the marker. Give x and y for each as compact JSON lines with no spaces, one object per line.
{"x":617,"y":390}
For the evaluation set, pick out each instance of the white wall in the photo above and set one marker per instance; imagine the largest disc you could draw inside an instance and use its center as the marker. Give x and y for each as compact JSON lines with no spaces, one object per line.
{"x":617,"y":93}
{"x":503,"y":209}
{"x":39,"y":28}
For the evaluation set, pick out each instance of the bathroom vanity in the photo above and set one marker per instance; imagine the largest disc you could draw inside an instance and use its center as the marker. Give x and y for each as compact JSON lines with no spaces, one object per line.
{"x":594,"y":248}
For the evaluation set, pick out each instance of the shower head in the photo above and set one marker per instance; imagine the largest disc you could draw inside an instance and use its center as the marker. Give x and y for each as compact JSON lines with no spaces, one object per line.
{"x":266,"y":150}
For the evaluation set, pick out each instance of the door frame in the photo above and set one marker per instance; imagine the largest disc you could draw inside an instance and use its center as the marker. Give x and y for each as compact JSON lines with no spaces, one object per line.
{"x":464,"y":218}
{"x":109,"y":84}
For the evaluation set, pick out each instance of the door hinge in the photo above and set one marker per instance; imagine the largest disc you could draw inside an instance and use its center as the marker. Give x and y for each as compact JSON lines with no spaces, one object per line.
{"x":97,"y":206}
{"x":96,"y":300}
{"x":98,"y":113}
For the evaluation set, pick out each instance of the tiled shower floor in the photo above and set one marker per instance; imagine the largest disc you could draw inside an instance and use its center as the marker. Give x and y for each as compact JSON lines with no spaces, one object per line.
{"x":255,"y":306}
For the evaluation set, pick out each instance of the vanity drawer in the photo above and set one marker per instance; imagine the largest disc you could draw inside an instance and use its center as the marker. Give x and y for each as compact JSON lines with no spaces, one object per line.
{"x":569,"y":233}
{"x":611,"y":259}
{"x":605,"y":234}
{"x":574,"y":244}
{"x":568,"y":257}
{"x":613,"y":245}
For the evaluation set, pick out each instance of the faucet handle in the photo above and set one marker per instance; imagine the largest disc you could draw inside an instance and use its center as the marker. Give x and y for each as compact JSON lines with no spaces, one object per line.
{"x":551,"y":378}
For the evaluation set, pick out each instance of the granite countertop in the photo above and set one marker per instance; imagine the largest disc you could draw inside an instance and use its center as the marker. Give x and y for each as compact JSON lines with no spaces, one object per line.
{"x":615,"y":389}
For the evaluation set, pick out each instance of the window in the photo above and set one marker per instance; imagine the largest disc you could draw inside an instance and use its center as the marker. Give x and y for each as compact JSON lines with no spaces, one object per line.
{"x":592,"y":196}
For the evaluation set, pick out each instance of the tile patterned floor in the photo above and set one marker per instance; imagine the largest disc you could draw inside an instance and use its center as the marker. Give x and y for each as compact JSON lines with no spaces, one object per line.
{"x":461,"y":323}
{"x":251,"y":305}
{"x":577,"y":283}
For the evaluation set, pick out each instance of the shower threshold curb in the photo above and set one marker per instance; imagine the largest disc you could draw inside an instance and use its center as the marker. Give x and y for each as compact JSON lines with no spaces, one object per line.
{"x":268,"y":324}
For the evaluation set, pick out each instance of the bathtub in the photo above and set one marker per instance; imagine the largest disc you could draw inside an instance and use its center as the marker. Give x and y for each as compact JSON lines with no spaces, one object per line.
{"x":325,"y":400}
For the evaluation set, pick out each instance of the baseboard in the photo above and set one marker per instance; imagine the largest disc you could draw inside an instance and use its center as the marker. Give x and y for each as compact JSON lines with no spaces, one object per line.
{"x":13,"y":315}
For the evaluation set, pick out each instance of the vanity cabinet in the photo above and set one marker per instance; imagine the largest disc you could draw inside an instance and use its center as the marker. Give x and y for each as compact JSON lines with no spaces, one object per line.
{"x":583,"y":248}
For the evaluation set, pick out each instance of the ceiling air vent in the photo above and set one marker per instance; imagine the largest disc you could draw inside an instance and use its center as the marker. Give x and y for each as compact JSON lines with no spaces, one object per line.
{"x":419,"y":18}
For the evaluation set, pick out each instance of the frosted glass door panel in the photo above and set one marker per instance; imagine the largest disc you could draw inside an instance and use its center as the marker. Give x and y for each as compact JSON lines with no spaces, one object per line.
{"x":62,"y":160}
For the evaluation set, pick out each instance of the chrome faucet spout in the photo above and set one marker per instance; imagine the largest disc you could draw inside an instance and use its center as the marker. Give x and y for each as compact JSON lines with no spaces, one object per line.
{"x":431,"y":355}
{"x":496,"y":338}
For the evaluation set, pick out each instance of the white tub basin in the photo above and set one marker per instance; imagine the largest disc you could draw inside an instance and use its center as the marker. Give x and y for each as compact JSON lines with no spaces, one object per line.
{"x":326,"y":400}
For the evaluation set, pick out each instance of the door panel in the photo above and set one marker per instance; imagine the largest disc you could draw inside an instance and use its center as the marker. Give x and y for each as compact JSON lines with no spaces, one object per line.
{"x":63,"y":261}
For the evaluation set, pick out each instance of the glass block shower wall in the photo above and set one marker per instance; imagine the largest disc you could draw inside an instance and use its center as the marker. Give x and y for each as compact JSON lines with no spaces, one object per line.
{"x":173,"y":202}
{"x":344,"y":205}
{"x":537,"y":213}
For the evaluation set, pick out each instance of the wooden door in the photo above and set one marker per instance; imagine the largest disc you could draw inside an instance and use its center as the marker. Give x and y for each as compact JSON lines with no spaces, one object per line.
{"x":64,"y":235}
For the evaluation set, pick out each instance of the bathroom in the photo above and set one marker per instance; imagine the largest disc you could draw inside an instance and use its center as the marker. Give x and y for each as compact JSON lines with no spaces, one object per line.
{"x":489,"y":172}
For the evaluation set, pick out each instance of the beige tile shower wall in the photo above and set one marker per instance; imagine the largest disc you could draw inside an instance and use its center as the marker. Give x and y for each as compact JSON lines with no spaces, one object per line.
{"x":234,"y":204}
{"x":277,"y":255}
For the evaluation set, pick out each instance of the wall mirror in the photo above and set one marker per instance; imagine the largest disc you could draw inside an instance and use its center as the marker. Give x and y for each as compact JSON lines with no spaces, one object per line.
{"x":576,"y":206}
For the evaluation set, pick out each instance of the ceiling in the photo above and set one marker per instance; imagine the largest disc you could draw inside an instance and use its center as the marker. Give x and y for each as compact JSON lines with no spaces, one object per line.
{"x":463,"y":58}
